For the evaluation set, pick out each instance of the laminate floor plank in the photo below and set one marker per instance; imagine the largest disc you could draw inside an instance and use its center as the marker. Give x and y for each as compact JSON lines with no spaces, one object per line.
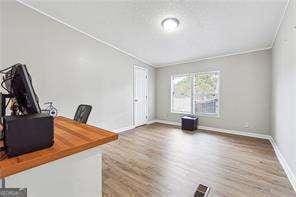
{"x":162,"y":160}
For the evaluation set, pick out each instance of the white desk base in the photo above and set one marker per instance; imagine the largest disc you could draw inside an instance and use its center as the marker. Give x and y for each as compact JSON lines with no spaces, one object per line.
{"x":78,"y":175}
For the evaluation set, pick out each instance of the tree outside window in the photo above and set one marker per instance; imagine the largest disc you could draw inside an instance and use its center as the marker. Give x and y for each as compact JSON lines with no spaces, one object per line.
{"x":196,"y":93}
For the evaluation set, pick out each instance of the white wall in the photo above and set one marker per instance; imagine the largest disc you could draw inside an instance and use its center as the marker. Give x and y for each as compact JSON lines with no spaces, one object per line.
{"x":70,"y":68}
{"x":284,"y":88}
{"x":245,"y":88}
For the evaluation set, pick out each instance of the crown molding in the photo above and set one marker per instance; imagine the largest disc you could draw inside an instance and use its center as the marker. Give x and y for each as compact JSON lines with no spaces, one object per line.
{"x":145,"y":61}
{"x":280,"y":24}
{"x":213,"y":57}
{"x":84,"y":33}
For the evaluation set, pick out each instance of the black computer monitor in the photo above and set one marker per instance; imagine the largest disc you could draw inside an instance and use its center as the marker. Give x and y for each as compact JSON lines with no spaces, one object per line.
{"x":19,"y":85}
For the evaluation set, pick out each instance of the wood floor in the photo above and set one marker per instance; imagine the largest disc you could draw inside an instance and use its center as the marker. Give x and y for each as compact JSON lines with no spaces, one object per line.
{"x":162,"y":160}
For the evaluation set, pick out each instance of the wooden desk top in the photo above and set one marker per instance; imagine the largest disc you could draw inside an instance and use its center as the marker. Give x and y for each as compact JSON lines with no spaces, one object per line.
{"x":70,"y":137}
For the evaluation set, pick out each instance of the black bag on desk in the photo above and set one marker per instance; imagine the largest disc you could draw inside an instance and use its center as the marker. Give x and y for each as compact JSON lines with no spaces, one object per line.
{"x":28,"y":133}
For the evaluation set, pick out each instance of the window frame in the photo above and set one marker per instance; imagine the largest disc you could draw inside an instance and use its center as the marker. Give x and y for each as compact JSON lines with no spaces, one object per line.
{"x":214,"y":115}
{"x":172,"y":90}
{"x":193,"y":78}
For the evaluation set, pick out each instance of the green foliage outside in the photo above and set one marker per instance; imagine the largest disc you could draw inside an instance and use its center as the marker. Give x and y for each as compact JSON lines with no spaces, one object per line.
{"x":182,"y":87}
{"x":206,"y":83}
{"x":205,"y":86}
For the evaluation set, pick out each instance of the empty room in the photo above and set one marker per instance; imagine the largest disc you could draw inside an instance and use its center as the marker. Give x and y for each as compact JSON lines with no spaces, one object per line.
{"x":128,"y":98}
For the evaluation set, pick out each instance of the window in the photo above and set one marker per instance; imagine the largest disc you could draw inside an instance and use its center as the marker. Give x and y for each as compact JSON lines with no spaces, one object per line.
{"x":181,"y":94}
{"x":196,"y":94}
{"x":206,"y":97}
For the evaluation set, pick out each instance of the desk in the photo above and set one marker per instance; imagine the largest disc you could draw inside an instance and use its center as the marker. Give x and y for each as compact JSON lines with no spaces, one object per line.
{"x":71,"y":167}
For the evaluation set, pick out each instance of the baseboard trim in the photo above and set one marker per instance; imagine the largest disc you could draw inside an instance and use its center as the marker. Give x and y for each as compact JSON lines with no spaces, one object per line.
{"x":150,"y":121}
{"x":282,"y":160}
{"x":291,"y":176}
{"x":166,"y":122}
{"x":248,"y":134}
{"x":124,"y":129}
{"x":234,"y":132}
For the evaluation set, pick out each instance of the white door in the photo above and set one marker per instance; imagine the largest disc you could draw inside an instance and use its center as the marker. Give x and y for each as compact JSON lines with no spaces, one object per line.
{"x":140,"y":96}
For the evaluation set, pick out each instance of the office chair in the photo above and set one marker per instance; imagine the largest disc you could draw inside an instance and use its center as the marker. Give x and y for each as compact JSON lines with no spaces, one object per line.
{"x":82,"y":113}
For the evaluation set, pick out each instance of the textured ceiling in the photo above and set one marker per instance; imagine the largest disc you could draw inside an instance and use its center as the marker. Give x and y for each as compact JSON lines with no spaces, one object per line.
{"x":208,"y":28}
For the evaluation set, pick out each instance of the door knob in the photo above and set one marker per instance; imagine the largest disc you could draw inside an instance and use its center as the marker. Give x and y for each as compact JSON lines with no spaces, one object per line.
{"x":136,"y":100}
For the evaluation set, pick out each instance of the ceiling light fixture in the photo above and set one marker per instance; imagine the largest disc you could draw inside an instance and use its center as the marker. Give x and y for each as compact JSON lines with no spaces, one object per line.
{"x":170,"y":24}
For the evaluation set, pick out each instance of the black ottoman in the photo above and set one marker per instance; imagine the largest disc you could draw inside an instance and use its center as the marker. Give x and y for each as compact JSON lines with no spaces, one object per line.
{"x":189,"y":123}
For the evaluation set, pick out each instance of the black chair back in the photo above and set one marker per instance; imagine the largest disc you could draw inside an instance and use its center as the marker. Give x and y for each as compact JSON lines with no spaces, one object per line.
{"x":82,"y":113}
